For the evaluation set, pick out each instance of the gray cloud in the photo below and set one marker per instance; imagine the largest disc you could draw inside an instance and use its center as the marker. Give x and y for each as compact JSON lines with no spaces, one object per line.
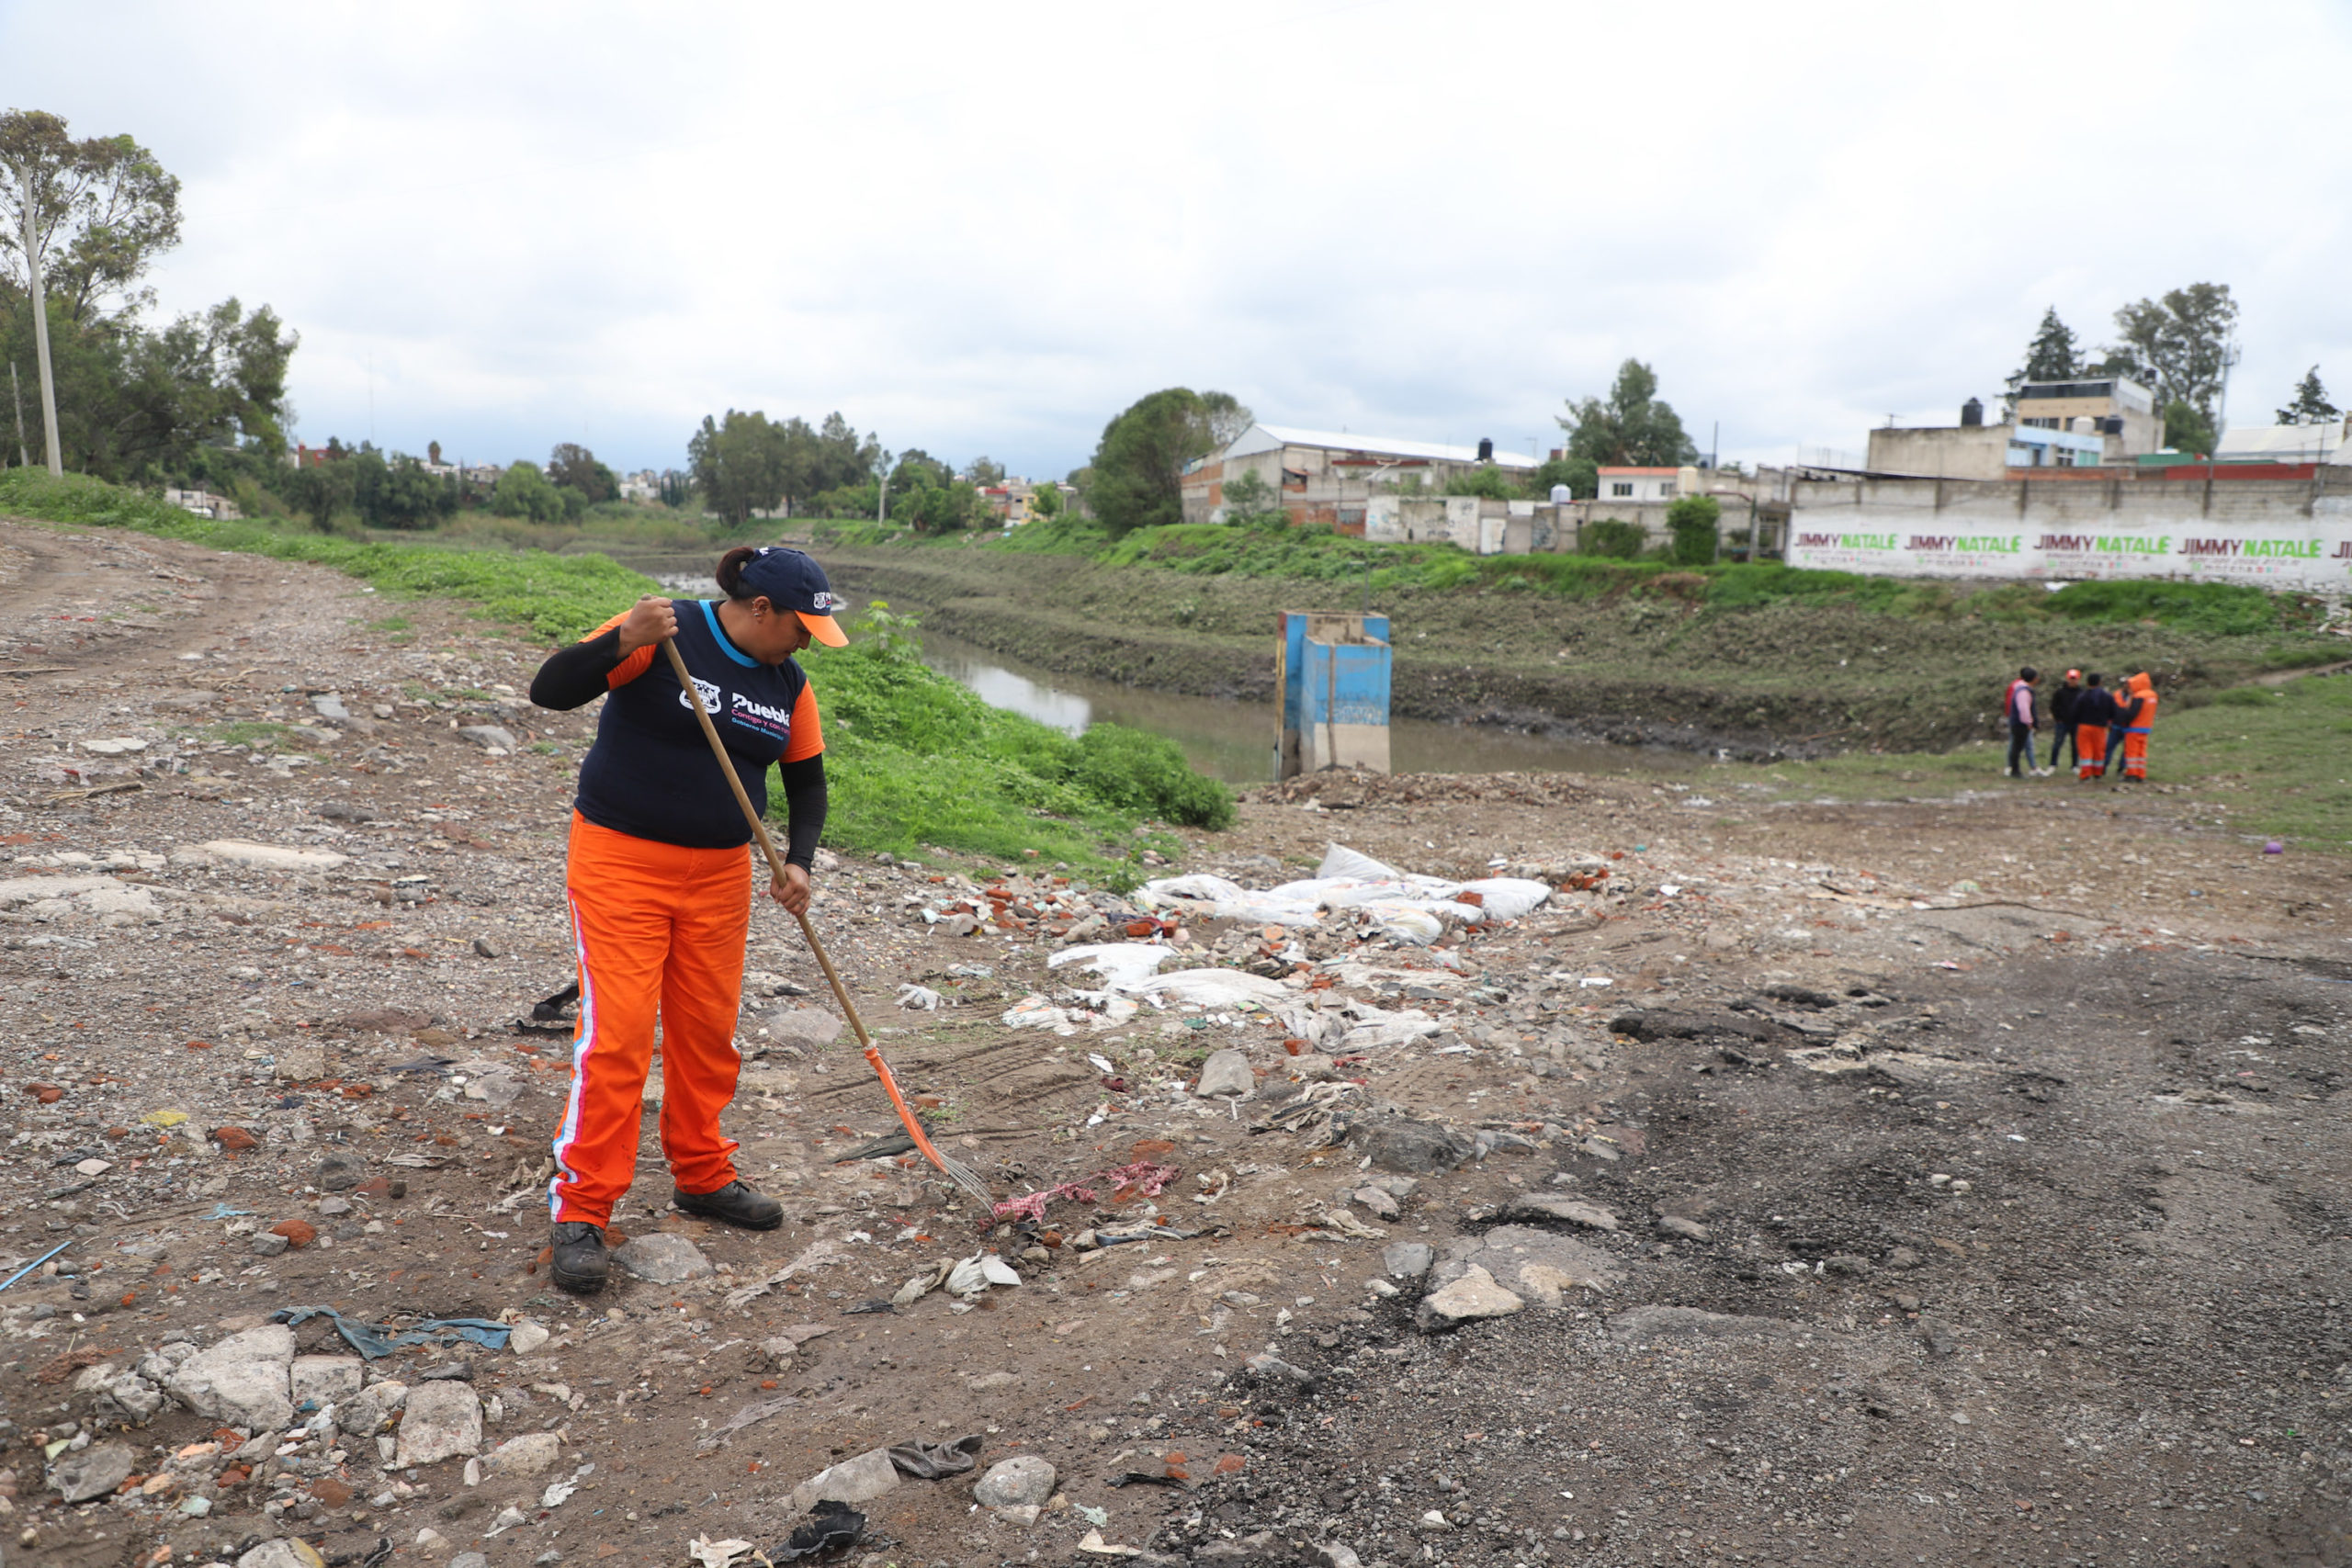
{"x":987,"y":230}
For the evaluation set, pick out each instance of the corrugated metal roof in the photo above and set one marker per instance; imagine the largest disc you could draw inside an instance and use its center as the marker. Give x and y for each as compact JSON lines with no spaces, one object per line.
{"x":2286,"y":442}
{"x":1267,"y":437}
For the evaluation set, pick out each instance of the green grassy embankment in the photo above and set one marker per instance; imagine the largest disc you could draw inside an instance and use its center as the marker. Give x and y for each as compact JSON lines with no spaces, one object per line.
{"x":2265,"y":760}
{"x":918,"y":763}
{"x":1762,"y":659}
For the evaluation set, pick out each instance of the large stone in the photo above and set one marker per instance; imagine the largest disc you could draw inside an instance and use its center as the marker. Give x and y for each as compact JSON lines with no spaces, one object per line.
{"x":527,"y":1335}
{"x":490,"y":736}
{"x":1539,"y":1265}
{"x":442,"y":1421}
{"x":1558,"y":1206}
{"x":271,"y":857}
{"x":340,"y":1172}
{"x":811,"y":1029}
{"x":1419,"y":1148}
{"x":240,"y":1381}
{"x":371,"y":1409}
{"x":1407,"y":1259}
{"x":665,"y":1258}
{"x":858,"y":1480}
{"x":95,"y":1471}
{"x":129,"y":1397}
{"x":328,"y":1379}
{"x":1023,"y":1480}
{"x":1227,"y":1072}
{"x":527,"y":1455}
{"x":1472,"y":1297}
{"x":286,"y":1552}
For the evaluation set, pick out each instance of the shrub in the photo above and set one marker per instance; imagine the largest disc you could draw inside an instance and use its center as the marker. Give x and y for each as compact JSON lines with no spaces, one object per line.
{"x":1693,"y":521}
{"x":1618,"y":541}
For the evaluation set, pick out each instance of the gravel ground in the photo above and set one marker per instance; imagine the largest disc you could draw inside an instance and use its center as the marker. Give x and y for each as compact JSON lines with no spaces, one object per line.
{"x":1936,"y":1184}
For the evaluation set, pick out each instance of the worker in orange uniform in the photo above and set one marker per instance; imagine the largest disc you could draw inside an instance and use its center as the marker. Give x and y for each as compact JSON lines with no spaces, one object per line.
{"x":2092,"y":708}
{"x":2136,"y":711}
{"x":659,"y":879}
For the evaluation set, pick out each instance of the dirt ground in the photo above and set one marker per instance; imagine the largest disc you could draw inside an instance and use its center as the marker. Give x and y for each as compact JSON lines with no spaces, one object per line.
{"x":1851,"y":1184}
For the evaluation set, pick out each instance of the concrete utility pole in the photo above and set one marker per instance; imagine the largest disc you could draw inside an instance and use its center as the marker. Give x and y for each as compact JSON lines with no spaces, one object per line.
{"x":40,"y":332}
{"x":24,"y":458}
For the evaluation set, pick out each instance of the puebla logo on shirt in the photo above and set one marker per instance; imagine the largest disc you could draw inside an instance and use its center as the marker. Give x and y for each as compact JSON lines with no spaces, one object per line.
{"x":710,"y":694}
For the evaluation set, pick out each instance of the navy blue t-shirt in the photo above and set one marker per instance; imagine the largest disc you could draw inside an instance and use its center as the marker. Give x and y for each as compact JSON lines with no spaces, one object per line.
{"x":650,"y":774}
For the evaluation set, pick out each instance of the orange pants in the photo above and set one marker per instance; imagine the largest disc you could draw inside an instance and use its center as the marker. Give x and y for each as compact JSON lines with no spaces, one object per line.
{"x":2135,"y":753}
{"x":2090,"y":750}
{"x":659,"y":932}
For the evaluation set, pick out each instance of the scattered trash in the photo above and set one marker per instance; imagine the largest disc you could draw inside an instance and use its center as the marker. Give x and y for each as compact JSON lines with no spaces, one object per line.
{"x":930,"y":1461}
{"x":975,"y":1274}
{"x":919,"y":998}
{"x":708,"y":1553}
{"x":1101,"y":1548}
{"x":831,"y":1527}
{"x":374,"y":1340}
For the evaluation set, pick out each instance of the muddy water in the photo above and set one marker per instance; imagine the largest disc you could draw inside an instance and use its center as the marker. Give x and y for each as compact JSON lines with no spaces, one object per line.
{"x":1232,"y":740}
{"x":1235,"y":740}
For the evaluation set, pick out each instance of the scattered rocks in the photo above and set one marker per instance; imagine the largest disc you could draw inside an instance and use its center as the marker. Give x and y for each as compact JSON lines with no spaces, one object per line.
{"x":1472,"y":1297}
{"x":94,"y":1473}
{"x":1409,"y":1144}
{"x":811,"y":1029}
{"x":527,"y":1335}
{"x":1669,"y":1322}
{"x":1382,"y":1205}
{"x":489,"y":737}
{"x":298,"y":1234}
{"x":271,"y":857}
{"x":1902,"y":1257}
{"x":1937,"y":1338}
{"x":441,"y":1420}
{"x":286,"y":1552}
{"x":665,"y":1258}
{"x":1687,"y":1230}
{"x":1023,"y":1480}
{"x":339,"y":1172}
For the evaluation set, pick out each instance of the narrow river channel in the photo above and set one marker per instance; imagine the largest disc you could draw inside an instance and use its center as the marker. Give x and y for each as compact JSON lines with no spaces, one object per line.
{"x":1234,"y":741}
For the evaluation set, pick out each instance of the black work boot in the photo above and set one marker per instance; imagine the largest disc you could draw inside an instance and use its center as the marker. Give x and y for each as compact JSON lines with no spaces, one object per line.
{"x":579,"y":1263}
{"x":733,"y":1204}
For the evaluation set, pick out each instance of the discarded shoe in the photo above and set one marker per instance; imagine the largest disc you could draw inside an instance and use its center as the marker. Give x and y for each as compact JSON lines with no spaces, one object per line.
{"x":579,"y":1262}
{"x":833,"y":1527}
{"x":733,"y":1204}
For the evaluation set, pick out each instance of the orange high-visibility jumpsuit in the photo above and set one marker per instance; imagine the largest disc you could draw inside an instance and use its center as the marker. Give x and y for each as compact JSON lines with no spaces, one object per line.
{"x":2141,"y":690}
{"x":2090,"y":750}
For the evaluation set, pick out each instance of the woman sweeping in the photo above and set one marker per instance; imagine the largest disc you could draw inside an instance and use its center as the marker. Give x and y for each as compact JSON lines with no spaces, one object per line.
{"x":659,"y":879}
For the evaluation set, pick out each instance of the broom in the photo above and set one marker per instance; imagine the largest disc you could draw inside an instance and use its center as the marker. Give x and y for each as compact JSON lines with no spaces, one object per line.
{"x":962,"y":1175}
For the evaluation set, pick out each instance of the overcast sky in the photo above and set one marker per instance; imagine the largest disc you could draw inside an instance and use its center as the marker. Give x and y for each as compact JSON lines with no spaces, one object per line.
{"x":988,"y":228}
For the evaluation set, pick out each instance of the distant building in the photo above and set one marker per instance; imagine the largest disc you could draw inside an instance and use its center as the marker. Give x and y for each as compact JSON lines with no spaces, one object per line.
{"x":1325,"y":476}
{"x":644,"y":486}
{"x":1639,"y":484}
{"x":2119,"y":410}
{"x":204,"y":504}
{"x":2282,"y":443}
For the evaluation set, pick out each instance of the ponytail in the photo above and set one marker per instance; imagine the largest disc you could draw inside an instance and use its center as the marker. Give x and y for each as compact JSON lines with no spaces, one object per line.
{"x":730,"y":572}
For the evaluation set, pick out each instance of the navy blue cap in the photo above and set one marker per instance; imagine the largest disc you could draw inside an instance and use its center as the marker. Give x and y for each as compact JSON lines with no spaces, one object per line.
{"x":791,"y":580}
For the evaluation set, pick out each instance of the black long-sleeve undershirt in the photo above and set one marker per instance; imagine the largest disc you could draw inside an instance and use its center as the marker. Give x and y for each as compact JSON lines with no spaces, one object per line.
{"x":577,"y":675}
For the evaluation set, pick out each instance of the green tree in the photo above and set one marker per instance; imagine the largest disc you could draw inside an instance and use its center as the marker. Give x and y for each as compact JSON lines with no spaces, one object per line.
{"x":1630,"y":428}
{"x":524,"y":492}
{"x":573,"y":466}
{"x":985,"y":471}
{"x":397,"y":493}
{"x":105,"y":209}
{"x":2187,"y":430}
{"x":1692,"y":522}
{"x":319,"y":490}
{"x":1228,"y":418}
{"x":1046,"y":501}
{"x":2179,"y":344}
{"x":743,"y":465}
{"x":1252,"y":503}
{"x":917,"y":468}
{"x":1581,"y":475}
{"x":1138,"y":468}
{"x":1486,"y":479}
{"x":140,"y":405}
{"x":2310,"y":405}
{"x":2050,"y":356}
{"x":943,"y":509}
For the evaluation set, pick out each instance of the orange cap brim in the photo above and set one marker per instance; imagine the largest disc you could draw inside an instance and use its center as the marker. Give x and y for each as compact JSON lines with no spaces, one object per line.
{"x":824,"y":628}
